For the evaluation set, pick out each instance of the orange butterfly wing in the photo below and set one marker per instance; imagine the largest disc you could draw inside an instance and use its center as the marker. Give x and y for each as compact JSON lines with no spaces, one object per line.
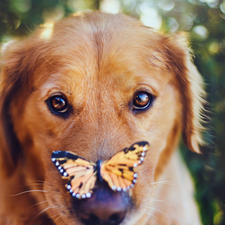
{"x":80,"y":172}
{"x":120,"y":170}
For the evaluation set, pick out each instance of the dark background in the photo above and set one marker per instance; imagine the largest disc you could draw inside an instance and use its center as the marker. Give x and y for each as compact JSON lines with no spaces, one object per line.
{"x":204,"y":21}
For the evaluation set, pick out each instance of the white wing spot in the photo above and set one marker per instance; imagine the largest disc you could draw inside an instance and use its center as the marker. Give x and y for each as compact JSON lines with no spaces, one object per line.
{"x":113,"y":188}
{"x":88,"y":195}
{"x":119,"y":189}
{"x":83,"y":196}
{"x":77,"y":196}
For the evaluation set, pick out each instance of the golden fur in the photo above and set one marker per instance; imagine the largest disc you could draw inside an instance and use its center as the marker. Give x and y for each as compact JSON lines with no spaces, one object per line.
{"x":98,"y":61}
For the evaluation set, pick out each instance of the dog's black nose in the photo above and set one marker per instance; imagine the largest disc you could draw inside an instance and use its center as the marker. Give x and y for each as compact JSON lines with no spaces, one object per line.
{"x":105,"y":207}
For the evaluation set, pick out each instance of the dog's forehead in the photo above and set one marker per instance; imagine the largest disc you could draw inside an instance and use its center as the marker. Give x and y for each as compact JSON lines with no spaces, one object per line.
{"x":104,"y":40}
{"x":88,"y":56}
{"x":122,"y":80}
{"x":121,"y":71}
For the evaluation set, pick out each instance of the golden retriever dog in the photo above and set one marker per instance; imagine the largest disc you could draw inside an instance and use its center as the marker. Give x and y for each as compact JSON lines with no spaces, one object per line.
{"x":94,"y":84}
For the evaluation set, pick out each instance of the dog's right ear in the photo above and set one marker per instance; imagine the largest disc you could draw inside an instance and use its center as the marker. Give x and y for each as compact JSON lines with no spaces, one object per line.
{"x":14,"y":77}
{"x":191,"y":87}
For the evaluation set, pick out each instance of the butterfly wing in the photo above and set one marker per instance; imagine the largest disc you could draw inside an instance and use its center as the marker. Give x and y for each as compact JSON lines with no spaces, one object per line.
{"x":79,"y":171}
{"x":120,"y":170}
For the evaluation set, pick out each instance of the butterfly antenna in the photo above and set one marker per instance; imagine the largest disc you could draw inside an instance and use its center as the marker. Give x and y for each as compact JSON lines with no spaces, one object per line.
{"x":98,"y":169}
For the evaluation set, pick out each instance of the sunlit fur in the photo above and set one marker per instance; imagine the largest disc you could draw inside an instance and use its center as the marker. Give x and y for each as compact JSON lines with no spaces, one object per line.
{"x":98,"y":61}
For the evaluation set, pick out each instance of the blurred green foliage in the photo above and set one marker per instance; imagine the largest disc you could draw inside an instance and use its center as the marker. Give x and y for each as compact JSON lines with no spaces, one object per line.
{"x":204,"y":20}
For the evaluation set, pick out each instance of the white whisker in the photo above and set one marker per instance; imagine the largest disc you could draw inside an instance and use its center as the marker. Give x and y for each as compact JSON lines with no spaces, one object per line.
{"x":153,"y":216}
{"x":163,"y":201}
{"x":40,"y":184}
{"x":56,"y":219}
{"x":42,"y":211}
{"x":162,"y":182}
{"x":154,"y":209}
{"x":39,"y":203}
{"x":56,"y":214}
{"x":24,"y":192}
{"x":63,"y":222}
{"x":157,"y":200}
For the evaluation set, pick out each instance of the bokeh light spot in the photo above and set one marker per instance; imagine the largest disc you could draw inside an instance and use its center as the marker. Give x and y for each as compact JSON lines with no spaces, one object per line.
{"x":173,"y":24}
{"x":47,"y":31}
{"x":110,"y":6}
{"x":213,"y":3}
{"x":214,"y":47}
{"x":149,"y":15}
{"x":166,"y":5}
{"x":129,"y":4}
{"x":22,"y":5}
{"x":222,"y":7}
{"x":200,"y":32}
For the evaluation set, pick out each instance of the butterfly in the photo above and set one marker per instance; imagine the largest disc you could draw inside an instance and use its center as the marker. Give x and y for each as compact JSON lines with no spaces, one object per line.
{"x":119,"y":171}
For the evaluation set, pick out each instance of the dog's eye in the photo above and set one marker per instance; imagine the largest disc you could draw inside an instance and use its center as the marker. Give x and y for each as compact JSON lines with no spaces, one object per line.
{"x":142,"y":100}
{"x":58,"y":105}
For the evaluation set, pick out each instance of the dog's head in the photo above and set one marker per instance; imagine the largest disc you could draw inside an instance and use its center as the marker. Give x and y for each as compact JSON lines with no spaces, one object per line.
{"x":93,"y":85}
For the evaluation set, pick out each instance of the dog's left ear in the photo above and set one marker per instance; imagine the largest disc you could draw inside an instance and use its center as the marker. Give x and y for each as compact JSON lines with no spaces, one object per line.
{"x":14,"y":78}
{"x":191,"y":89}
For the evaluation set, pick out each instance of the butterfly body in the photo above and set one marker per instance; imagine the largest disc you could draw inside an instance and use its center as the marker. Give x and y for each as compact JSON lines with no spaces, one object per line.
{"x":98,"y":170}
{"x":119,"y":171}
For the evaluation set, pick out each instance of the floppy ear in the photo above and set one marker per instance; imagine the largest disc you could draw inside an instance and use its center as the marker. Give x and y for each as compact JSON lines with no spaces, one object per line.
{"x":193,"y":112}
{"x":14,"y":76}
{"x":191,"y":90}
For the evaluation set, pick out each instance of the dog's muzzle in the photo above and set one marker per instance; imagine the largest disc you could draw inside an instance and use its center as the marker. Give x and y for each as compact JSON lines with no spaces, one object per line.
{"x":106,"y":207}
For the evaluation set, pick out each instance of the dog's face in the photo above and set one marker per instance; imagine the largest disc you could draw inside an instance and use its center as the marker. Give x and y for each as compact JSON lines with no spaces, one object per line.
{"x":96,"y":85}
